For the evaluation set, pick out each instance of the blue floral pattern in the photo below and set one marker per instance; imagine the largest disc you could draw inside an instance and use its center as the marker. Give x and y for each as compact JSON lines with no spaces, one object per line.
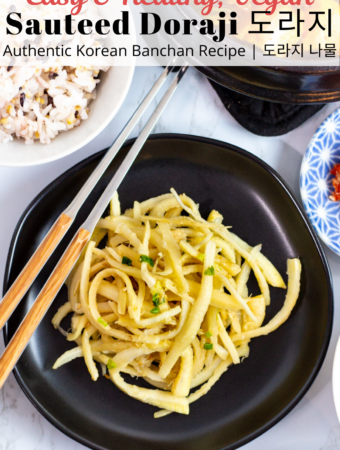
{"x":316,"y":181}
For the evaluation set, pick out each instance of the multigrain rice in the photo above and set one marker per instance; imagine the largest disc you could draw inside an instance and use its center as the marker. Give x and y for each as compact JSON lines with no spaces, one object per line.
{"x":38,"y":103}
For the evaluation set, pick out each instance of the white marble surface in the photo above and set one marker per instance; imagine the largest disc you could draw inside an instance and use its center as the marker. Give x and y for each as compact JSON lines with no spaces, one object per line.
{"x":313,"y":424}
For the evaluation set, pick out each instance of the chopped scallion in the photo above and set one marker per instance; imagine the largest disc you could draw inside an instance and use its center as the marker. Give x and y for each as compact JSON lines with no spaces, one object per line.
{"x":208,"y":334}
{"x":127,"y":261}
{"x":111,"y":364}
{"x":210,"y":271}
{"x":147,"y":259}
{"x":102,"y":321}
{"x":208,"y":346}
{"x":155,"y":310}
{"x":156,"y":300}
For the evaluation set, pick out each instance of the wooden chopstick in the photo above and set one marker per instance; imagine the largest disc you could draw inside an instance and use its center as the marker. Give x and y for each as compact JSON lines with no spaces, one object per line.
{"x":31,"y":321}
{"x":65,"y":220}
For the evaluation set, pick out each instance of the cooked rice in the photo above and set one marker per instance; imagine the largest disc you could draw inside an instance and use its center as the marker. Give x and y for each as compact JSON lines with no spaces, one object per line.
{"x":38,"y":103}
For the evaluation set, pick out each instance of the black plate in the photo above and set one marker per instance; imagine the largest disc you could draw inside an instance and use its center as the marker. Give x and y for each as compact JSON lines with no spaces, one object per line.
{"x":250,"y":398}
{"x":294,"y":85}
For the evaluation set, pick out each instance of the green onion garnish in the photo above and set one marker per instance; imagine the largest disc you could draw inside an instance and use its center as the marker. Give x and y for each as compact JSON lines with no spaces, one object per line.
{"x":127,"y":261}
{"x":201,"y":257}
{"x":208,"y":346}
{"x":156,"y":301}
{"x":155,"y":310}
{"x":111,"y":364}
{"x":208,"y":334}
{"x":147,"y":259}
{"x":102,"y":321}
{"x":210,"y":271}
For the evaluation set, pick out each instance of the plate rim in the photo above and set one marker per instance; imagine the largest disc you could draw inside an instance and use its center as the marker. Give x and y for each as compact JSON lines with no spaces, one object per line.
{"x":310,"y":144}
{"x":316,"y":369}
{"x":335,"y":373}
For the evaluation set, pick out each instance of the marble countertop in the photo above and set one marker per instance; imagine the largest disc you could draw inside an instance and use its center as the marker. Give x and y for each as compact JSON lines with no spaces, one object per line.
{"x":313,"y":424}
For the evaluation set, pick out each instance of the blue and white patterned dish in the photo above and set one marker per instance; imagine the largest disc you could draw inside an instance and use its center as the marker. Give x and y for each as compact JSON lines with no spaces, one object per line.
{"x":316,"y":181}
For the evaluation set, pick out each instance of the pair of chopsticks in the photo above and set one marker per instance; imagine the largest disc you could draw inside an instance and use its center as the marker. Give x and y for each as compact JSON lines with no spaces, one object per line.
{"x":31,"y":321}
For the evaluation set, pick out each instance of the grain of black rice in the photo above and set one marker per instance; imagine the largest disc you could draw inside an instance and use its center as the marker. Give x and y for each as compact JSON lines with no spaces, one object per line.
{"x":22,"y":99}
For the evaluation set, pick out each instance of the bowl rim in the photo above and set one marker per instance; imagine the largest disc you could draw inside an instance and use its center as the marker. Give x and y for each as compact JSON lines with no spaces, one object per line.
{"x":308,"y":150}
{"x":330,"y":296}
{"x":68,"y":151}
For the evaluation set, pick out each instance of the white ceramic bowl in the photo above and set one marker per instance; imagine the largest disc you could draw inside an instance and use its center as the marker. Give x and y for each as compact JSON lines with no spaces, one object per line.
{"x":112,"y":90}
